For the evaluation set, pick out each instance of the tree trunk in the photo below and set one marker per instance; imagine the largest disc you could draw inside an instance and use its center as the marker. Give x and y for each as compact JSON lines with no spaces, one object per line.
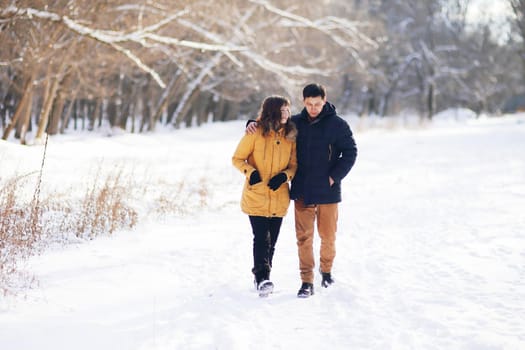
{"x":67,"y":114}
{"x":56,"y":114}
{"x":219,"y":110}
{"x":50,"y":95}
{"x":163,"y":101}
{"x":131,"y":115}
{"x":192,"y":88}
{"x":202,"y":108}
{"x":385,"y":103}
{"x":26,"y":119}
{"x":233,"y":111}
{"x":97,"y":115}
{"x":146,"y":113}
{"x":430,"y":101}
{"x":6,"y":107}
{"x":24,"y":104}
{"x":183,"y":109}
{"x":127,"y":95}
{"x":112,"y":112}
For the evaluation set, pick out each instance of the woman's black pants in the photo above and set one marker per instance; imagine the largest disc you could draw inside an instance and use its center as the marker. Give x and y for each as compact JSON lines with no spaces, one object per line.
{"x":265,"y":233}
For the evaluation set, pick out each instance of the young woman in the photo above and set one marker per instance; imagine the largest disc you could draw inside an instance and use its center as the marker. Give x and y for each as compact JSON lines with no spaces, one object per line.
{"x":267,"y":159}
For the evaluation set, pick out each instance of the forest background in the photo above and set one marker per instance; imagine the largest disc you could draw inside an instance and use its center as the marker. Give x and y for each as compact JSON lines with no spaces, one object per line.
{"x":134,"y":65}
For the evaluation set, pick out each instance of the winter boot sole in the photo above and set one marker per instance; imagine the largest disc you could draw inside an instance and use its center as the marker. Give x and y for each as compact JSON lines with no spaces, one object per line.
{"x":265,"y":288}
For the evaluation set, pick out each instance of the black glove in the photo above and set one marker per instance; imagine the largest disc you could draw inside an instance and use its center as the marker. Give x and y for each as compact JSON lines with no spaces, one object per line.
{"x":277,"y":181}
{"x":255,"y":178}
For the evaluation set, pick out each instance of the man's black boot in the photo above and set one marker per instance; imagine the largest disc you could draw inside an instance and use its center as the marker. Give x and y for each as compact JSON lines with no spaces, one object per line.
{"x":327,"y":279}
{"x":306,"y":290}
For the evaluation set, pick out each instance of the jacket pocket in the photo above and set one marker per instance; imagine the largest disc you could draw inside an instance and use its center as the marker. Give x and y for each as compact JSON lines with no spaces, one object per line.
{"x":283,"y":199}
{"x":254,"y":196}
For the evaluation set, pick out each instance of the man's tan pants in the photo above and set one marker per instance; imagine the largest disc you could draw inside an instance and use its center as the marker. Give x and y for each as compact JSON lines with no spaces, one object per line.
{"x":305,"y":216}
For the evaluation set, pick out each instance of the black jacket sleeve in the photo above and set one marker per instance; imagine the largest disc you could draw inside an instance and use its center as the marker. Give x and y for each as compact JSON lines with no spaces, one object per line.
{"x":346,"y":152}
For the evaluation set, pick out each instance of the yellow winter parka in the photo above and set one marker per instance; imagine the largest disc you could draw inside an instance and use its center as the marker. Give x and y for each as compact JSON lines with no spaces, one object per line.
{"x":270,"y":155}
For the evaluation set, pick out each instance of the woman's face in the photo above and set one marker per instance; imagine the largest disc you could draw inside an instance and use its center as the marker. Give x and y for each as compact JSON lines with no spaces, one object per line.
{"x":285,"y":113}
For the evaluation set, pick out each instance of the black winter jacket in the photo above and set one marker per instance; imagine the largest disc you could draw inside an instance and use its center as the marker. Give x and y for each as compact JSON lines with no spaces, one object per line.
{"x":325,"y":148}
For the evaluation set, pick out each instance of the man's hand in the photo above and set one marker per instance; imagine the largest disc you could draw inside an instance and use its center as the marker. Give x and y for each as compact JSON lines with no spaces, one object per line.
{"x":331,"y":181}
{"x":251,"y":127}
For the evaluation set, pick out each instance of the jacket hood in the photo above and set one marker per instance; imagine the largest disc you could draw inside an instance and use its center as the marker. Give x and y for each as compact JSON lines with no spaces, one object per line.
{"x":328,"y":111}
{"x":292,"y":133}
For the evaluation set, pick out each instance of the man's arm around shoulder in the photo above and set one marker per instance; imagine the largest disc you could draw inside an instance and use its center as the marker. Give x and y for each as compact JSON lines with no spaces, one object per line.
{"x":251,"y":126}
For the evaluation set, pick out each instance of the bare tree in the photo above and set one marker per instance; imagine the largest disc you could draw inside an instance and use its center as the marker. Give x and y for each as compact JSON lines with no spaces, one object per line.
{"x":132,"y":64}
{"x":518,"y":8}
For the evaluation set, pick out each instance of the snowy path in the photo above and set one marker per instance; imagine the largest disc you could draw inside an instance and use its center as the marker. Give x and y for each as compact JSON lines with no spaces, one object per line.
{"x":431,"y":255}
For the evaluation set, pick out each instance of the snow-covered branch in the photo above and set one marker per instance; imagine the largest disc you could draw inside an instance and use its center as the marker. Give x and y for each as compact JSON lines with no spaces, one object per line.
{"x":256,"y":58}
{"x":326,"y":25}
{"x":109,"y":36}
{"x":140,"y":64}
{"x":280,"y":69}
{"x":114,"y":38}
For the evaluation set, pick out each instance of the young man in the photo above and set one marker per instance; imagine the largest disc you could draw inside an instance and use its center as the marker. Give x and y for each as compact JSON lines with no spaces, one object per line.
{"x":326,"y":151}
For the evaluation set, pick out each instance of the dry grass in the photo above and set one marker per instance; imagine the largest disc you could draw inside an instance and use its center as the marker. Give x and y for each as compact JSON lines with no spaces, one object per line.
{"x":28,"y":225}
{"x":179,"y":199}
{"x":109,"y":204}
{"x":20,"y":230}
{"x":104,"y":208}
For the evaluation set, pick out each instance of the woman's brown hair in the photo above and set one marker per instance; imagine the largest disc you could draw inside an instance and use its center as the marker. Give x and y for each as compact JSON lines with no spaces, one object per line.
{"x":270,"y":116}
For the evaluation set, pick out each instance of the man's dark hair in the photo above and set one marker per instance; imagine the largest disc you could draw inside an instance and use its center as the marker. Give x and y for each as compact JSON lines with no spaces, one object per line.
{"x":314,"y":90}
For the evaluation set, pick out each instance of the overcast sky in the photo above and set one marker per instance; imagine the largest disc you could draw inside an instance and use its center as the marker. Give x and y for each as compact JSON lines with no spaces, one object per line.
{"x":493,"y":11}
{"x":487,"y":9}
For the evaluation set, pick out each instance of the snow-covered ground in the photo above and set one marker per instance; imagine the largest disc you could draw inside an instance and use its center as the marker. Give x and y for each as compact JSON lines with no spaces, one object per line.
{"x":431,"y":249}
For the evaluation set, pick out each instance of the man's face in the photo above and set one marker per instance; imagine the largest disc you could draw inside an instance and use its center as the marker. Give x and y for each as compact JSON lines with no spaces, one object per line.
{"x":314,"y":105}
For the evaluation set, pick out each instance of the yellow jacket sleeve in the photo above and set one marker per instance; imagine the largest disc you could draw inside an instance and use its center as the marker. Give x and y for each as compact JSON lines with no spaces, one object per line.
{"x":242,"y":153}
